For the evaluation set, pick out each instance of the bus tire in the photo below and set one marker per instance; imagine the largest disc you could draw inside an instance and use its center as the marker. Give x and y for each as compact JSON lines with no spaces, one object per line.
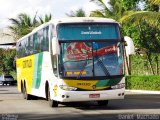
{"x":46,"y":90}
{"x":34,"y":97}
{"x":25,"y":95}
{"x":103,"y":103}
{"x":52,"y":103}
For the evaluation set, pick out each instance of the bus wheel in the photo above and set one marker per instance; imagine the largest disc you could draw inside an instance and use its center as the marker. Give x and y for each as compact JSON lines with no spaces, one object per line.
{"x":34,"y":97}
{"x":25,"y":95}
{"x":103,"y":103}
{"x":52,"y":103}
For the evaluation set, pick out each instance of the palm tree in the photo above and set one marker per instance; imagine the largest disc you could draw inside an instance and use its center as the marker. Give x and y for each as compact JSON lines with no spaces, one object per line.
{"x":24,"y":24}
{"x":157,"y":2}
{"x":114,"y":12}
{"x":21,"y":25}
{"x":78,"y":13}
{"x":151,"y":17}
{"x":47,"y":18}
{"x":148,"y":29}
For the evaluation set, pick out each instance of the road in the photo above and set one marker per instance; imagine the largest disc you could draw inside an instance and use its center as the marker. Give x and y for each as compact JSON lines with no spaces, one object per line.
{"x":134,"y":106}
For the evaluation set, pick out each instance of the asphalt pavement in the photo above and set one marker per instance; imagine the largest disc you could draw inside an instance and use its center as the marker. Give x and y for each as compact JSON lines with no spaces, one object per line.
{"x":135,"y":106}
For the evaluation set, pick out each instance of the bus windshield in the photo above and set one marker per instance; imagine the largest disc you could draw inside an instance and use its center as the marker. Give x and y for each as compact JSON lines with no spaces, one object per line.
{"x":91,"y":59}
{"x":90,"y":50}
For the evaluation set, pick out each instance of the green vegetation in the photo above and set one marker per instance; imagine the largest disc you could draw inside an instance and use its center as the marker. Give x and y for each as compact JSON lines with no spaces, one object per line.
{"x":143,"y":82}
{"x":140,"y":65}
{"x":6,"y":61}
{"x":47,"y":18}
{"x":115,"y":11}
{"x":78,"y":13}
{"x":24,"y":24}
{"x":19,"y":27}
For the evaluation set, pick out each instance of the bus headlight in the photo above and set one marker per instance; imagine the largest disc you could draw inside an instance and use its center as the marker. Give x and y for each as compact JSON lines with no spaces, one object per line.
{"x":118,"y":86}
{"x":68,"y":88}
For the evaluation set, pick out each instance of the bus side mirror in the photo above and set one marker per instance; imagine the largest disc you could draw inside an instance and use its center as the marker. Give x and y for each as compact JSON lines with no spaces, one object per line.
{"x":129,"y":46}
{"x":55,"y":46}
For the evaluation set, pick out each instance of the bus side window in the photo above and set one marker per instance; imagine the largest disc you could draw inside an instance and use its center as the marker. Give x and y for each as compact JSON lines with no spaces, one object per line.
{"x":27,"y":46}
{"x":35,"y":43}
{"x":47,"y":38}
{"x":18,"y":46}
{"x":45,"y":43}
{"x":39,"y":40}
{"x":23,"y":49}
{"x":55,"y":66}
{"x":31,"y":45}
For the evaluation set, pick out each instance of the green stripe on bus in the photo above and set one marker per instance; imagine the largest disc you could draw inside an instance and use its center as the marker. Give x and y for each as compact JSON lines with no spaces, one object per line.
{"x":108,"y":82}
{"x":37,"y":70}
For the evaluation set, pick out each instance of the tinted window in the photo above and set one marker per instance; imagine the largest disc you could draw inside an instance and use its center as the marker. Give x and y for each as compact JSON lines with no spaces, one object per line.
{"x":36,"y":43}
{"x":92,"y":59}
{"x":45,"y":42}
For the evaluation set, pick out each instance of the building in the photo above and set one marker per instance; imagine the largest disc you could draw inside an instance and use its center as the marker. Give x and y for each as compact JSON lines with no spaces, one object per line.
{"x":6,"y":39}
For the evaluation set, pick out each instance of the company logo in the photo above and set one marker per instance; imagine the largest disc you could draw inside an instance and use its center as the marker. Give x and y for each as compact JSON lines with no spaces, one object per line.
{"x":91,"y":33}
{"x":27,"y":63}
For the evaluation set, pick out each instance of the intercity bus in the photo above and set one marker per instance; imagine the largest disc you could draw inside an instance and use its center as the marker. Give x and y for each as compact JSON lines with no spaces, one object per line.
{"x":71,"y":60}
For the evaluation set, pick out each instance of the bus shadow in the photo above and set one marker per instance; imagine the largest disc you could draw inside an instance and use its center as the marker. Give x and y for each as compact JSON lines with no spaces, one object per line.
{"x":10,"y":93}
{"x":131,"y":102}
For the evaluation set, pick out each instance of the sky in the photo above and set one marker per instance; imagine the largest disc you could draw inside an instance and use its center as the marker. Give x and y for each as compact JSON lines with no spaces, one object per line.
{"x":58,"y":8}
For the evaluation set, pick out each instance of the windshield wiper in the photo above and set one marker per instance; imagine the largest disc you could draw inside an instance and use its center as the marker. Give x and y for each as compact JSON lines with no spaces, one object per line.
{"x":99,"y":61}
{"x":101,"y":64}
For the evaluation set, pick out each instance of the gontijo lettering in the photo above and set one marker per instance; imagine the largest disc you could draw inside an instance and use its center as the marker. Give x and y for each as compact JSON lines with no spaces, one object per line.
{"x":27,"y":63}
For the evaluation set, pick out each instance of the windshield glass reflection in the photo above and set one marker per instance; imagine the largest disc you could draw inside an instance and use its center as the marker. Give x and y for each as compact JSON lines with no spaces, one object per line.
{"x":90,"y":59}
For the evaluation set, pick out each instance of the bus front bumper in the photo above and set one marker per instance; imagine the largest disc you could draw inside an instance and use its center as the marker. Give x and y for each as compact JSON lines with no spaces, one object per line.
{"x":75,"y":96}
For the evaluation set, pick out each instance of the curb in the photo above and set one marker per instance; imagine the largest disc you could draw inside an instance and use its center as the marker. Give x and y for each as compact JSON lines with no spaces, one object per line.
{"x":144,"y":91}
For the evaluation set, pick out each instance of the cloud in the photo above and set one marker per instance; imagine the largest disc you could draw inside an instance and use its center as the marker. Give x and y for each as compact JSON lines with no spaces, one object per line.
{"x":58,"y":8}
{"x":34,"y":2}
{"x":90,"y":7}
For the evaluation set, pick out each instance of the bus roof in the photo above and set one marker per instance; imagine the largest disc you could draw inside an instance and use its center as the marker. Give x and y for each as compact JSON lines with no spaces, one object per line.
{"x":82,"y":20}
{"x":71,"y":20}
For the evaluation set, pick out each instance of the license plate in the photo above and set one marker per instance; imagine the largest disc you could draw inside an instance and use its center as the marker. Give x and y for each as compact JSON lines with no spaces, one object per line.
{"x":94,"y":95}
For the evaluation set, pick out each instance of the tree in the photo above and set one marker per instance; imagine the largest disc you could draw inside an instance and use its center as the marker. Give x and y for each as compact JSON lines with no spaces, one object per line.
{"x":115,"y":11}
{"x":22,"y":25}
{"x":131,"y":5}
{"x":47,"y":18}
{"x":151,"y":16}
{"x":6,"y":61}
{"x":157,"y":2}
{"x":78,"y":13}
{"x":144,"y":28}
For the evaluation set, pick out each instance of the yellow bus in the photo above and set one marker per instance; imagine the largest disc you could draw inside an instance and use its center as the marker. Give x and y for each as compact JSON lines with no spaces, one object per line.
{"x":72,"y":59}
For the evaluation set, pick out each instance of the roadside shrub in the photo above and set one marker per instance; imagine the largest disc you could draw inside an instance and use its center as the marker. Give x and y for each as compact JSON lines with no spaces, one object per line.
{"x":143,"y":82}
